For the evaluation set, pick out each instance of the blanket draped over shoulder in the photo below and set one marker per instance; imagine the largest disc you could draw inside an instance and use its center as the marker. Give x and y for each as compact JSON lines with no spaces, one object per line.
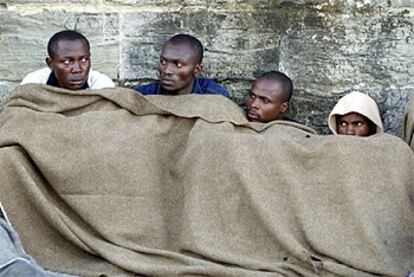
{"x":408,"y":124}
{"x":108,"y":181}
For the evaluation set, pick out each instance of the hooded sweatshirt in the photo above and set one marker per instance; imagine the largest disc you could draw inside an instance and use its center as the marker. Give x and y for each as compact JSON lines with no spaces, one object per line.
{"x":356,"y":102}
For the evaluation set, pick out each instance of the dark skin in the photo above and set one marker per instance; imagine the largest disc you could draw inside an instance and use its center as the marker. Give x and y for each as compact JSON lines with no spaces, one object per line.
{"x":354,"y":124}
{"x":178,"y":68}
{"x":265,"y":102}
{"x":71,"y":63}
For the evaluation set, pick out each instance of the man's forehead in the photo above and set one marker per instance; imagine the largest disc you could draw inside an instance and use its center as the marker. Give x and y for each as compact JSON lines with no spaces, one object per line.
{"x":352,"y":116}
{"x":72,"y":45}
{"x":178,"y":51}
{"x":267,"y":88}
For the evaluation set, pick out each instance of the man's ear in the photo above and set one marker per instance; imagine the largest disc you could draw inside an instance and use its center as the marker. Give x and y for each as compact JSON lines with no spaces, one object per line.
{"x":284,"y":107}
{"x":49,"y":62}
{"x":198,"y":69}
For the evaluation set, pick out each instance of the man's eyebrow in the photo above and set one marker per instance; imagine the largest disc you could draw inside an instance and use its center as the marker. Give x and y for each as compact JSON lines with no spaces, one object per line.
{"x":172,"y":59}
{"x":165,"y":58}
{"x":265,"y":97}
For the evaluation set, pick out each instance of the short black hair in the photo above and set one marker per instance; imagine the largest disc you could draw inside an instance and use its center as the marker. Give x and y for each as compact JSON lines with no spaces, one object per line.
{"x":63,"y":35}
{"x":286,"y":82}
{"x":191,"y":41}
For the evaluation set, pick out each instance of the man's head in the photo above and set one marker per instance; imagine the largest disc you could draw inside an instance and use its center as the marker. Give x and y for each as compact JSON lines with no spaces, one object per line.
{"x":355,"y":114}
{"x":354,"y":124}
{"x":180,"y":63}
{"x":69,"y":59}
{"x":269,"y":97}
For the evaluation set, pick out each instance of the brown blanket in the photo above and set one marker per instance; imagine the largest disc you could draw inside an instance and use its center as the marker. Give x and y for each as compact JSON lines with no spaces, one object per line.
{"x":108,"y":181}
{"x":408,"y":124}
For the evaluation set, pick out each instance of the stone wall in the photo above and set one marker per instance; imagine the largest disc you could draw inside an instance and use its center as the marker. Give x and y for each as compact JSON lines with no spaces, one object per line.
{"x":328,"y":47}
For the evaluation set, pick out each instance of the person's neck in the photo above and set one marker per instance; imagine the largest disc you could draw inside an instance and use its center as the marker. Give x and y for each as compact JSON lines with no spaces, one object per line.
{"x":188,"y":89}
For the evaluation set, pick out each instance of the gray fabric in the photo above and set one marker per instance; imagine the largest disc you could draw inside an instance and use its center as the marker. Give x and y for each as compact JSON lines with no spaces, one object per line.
{"x":14,"y":261}
{"x":10,"y":246}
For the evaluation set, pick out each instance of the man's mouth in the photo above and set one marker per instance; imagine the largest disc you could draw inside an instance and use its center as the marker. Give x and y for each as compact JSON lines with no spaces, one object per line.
{"x":77,"y":81}
{"x":252,"y":115}
{"x":167,"y":82}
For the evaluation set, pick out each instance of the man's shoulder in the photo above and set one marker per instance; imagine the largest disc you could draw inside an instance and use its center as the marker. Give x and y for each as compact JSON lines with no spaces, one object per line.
{"x":151,"y":88}
{"x":97,"y":80}
{"x":209,"y":86}
{"x":289,"y":119}
{"x":37,"y":77}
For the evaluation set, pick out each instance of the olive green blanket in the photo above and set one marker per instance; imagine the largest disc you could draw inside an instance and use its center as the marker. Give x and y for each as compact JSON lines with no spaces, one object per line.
{"x":108,"y":181}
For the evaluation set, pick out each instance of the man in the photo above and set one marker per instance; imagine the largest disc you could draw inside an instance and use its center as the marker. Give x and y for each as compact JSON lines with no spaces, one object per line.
{"x":180,"y":64}
{"x":69,"y":64}
{"x":356,"y":114}
{"x":269,"y":97}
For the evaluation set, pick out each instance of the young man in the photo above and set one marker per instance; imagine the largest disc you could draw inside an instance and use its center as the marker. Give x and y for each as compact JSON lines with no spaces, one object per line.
{"x":356,"y":114}
{"x":180,"y":64}
{"x":269,"y":97}
{"x":69,"y":64}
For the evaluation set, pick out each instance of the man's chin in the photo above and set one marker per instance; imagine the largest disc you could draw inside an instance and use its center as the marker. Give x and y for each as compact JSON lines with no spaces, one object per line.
{"x":75,"y":86}
{"x":168,"y":87}
{"x":253,"y":117}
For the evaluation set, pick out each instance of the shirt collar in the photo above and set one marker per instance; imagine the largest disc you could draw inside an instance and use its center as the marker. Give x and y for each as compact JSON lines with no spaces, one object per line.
{"x":196,"y":88}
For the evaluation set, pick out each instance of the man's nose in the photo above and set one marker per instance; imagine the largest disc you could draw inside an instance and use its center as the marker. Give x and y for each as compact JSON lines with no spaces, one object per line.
{"x":77,"y":67}
{"x":168,"y":69}
{"x":350,"y":130}
{"x":255,"y":103}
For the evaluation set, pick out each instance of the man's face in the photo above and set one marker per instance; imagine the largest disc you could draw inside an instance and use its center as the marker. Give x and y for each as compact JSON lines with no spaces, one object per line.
{"x":354,"y":124}
{"x":71,"y":63}
{"x":178,"y":68}
{"x":264,"y":102}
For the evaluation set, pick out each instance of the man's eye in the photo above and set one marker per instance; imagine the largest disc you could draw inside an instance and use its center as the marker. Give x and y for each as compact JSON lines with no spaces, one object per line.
{"x":359,"y":123}
{"x":179,"y":65}
{"x":342,"y":123}
{"x":66,"y":62}
{"x":252,"y":96}
{"x":266,"y":101}
{"x":162,"y":62}
{"x":84,"y":60}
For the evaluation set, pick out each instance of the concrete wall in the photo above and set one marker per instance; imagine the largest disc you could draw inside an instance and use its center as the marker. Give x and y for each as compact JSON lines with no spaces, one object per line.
{"x":328,"y":47}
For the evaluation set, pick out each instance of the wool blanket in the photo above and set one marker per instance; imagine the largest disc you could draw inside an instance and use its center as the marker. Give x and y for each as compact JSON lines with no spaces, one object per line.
{"x":408,"y":124}
{"x":111,"y":182}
